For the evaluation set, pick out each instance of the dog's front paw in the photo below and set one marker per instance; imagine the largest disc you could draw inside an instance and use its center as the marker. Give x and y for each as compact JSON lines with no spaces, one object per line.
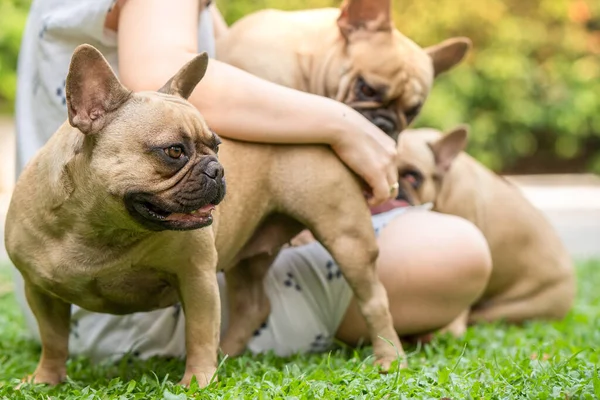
{"x":51,"y":378}
{"x":203,"y":377}
{"x":385,"y":363}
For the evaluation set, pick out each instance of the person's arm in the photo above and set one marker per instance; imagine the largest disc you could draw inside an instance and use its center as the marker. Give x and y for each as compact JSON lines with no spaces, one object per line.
{"x":219,"y":25}
{"x":156,"y":38}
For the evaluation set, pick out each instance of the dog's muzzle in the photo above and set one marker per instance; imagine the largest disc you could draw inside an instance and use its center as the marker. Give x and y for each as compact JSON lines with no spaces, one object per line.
{"x":186,"y":206}
{"x":383,"y":119}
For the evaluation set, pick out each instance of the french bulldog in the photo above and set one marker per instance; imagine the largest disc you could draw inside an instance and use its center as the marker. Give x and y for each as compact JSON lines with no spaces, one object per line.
{"x":533,"y":274}
{"x":353,"y":54}
{"x":117,"y":214}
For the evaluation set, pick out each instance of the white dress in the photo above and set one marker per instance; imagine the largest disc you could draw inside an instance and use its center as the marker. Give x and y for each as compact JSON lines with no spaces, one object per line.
{"x":308,"y":294}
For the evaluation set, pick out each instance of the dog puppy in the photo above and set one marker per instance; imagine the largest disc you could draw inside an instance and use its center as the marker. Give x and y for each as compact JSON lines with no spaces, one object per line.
{"x":533,"y":275}
{"x":352,"y":54}
{"x":113,"y":215}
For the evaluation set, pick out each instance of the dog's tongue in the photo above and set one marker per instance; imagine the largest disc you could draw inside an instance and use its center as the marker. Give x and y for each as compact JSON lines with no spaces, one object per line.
{"x":200,"y":214}
{"x":390,"y":205}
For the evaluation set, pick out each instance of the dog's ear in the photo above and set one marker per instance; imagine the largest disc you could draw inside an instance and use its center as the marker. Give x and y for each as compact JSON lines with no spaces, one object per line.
{"x":372,"y":15}
{"x":182,"y":84}
{"x":92,"y":90}
{"x":446,"y":148}
{"x":447,"y":54}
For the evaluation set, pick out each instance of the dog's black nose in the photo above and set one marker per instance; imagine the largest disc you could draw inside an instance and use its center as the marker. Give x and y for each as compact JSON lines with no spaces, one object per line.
{"x":385,"y":124}
{"x":213,"y":170}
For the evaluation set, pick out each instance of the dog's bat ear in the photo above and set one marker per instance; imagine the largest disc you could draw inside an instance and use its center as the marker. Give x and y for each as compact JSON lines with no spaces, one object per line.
{"x":371,"y":15}
{"x":449,"y":146}
{"x":92,"y":90}
{"x":182,"y":84}
{"x":447,"y":54}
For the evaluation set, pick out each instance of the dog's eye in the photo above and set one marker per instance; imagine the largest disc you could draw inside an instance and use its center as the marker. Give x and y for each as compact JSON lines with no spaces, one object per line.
{"x":174,"y":152}
{"x":365,"y":90}
{"x":412,"y":112}
{"x":414,"y":178}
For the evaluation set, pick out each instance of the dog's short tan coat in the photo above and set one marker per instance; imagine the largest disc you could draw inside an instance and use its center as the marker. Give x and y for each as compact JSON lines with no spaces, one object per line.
{"x":352,"y":54}
{"x":533,"y":275}
{"x":112,"y":215}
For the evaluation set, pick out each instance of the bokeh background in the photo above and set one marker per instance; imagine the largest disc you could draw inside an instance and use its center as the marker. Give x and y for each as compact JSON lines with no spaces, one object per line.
{"x":530,"y":89}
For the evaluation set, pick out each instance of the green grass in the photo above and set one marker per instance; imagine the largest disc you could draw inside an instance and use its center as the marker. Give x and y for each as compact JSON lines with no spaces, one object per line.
{"x":538,"y":361}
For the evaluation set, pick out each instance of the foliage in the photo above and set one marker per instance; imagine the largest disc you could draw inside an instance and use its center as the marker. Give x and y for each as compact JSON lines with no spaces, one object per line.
{"x":541,"y":360}
{"x":530,"y":88}
{"x":13,"y":14}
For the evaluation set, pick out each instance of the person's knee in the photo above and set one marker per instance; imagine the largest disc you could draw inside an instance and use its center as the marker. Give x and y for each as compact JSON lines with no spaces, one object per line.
{"x":472,"y":256}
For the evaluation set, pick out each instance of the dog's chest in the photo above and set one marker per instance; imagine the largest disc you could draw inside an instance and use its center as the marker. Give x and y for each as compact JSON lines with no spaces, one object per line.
{"x":121,"y":285}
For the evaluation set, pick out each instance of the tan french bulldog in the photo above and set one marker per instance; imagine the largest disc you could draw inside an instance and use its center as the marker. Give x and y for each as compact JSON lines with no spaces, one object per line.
{"x":533,"y":275}
{"x":113,"y":215}
{"x":353,"y":55}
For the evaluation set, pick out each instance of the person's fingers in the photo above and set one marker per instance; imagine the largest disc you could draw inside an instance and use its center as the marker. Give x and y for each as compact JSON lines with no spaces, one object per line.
{"x":393,"y":179}
{"x":384,"y":178}
{"x":381,"y":190}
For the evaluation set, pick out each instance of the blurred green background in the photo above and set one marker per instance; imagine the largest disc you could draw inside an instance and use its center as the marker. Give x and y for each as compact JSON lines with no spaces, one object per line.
{"x":530,"y":89}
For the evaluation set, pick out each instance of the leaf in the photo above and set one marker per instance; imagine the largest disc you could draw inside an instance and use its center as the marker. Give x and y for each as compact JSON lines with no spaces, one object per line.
{"x":443,"y":376}
{"x":167,"y":395}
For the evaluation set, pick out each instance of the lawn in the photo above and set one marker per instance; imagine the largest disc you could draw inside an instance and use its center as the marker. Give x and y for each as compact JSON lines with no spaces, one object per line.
{"x":558,"y":360}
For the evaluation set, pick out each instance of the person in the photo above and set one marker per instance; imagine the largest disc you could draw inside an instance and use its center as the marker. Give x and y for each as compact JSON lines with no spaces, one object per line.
{"x":433,"y":266}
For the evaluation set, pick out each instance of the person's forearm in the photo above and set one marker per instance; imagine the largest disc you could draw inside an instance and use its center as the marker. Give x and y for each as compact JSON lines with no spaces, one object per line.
{"x":240,"y":106}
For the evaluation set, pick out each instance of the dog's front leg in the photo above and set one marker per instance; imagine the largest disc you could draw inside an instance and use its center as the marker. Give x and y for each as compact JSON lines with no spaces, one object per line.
{"x":248,"y":302}
{"x":199,"y":295}
{"x":53,"y":316}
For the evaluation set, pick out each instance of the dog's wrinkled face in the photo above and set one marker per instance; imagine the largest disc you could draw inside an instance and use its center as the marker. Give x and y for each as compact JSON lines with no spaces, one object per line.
{"x":425,"y":156}
{"x":178,"y":179}
{"x":388,"y":80}
{"x":385,"y":75}
{"x":152,"y":151}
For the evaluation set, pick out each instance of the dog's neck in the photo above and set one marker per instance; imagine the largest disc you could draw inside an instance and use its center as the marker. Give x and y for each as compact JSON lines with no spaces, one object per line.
{"x":72,"y":182}
{"x":461,"y":193}
{"x":477,"y":194}
{"x":315,"y":60}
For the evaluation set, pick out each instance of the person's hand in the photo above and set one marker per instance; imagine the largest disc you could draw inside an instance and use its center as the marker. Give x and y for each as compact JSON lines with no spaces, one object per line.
{"x":371,"y":154}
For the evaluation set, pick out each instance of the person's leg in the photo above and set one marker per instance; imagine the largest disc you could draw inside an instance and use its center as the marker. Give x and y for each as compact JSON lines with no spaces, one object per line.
{"x":433,"y":266}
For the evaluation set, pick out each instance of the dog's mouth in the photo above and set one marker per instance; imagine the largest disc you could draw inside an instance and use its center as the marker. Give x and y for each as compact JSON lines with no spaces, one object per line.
{"x":157,"y":216}
{"x":202,"y":214}
{"x":401,"y":200}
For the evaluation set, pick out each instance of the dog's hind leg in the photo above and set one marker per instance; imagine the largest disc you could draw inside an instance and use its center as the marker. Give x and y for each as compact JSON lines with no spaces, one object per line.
{"x":54,"y":317}
{"x":248,"y":303}
{"x":551,"y":303}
